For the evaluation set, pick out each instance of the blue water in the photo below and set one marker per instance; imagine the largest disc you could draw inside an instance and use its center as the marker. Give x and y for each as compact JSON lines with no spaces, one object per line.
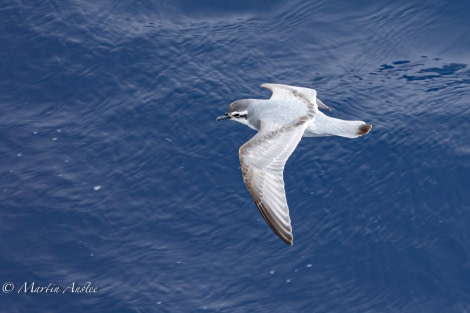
{"x":113,"y":170}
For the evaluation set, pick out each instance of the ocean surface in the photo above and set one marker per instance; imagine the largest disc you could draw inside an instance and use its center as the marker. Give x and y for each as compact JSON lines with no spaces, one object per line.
{"x":120,"y":193}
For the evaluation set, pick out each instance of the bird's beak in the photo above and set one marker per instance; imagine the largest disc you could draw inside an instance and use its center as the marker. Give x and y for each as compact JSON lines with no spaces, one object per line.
{"x":223,"y":117}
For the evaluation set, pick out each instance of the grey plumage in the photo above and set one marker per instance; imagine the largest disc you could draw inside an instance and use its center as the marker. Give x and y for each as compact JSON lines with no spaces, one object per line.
{"x":290,"y":114}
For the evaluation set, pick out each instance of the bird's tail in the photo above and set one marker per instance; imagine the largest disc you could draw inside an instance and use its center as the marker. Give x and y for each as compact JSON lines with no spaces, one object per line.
{"x":330,"y":126}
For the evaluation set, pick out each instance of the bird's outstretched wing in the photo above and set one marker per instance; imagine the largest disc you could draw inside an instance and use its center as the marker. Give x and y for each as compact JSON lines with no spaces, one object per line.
{"x":286,"y":92}
{"x":262,"y":161}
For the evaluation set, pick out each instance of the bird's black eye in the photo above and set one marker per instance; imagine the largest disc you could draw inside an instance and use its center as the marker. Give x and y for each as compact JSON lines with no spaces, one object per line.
{"x":236,"y":115}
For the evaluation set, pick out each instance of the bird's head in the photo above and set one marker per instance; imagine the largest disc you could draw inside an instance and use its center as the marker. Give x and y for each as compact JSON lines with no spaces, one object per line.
{"x":237,"y":111}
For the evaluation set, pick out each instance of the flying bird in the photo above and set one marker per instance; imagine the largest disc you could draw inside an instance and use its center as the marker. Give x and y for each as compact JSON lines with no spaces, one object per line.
{"x":281,"y":121}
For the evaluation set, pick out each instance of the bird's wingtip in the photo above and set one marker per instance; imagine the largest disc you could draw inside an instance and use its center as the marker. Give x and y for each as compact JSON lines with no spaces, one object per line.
{"x":288,"y":240}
